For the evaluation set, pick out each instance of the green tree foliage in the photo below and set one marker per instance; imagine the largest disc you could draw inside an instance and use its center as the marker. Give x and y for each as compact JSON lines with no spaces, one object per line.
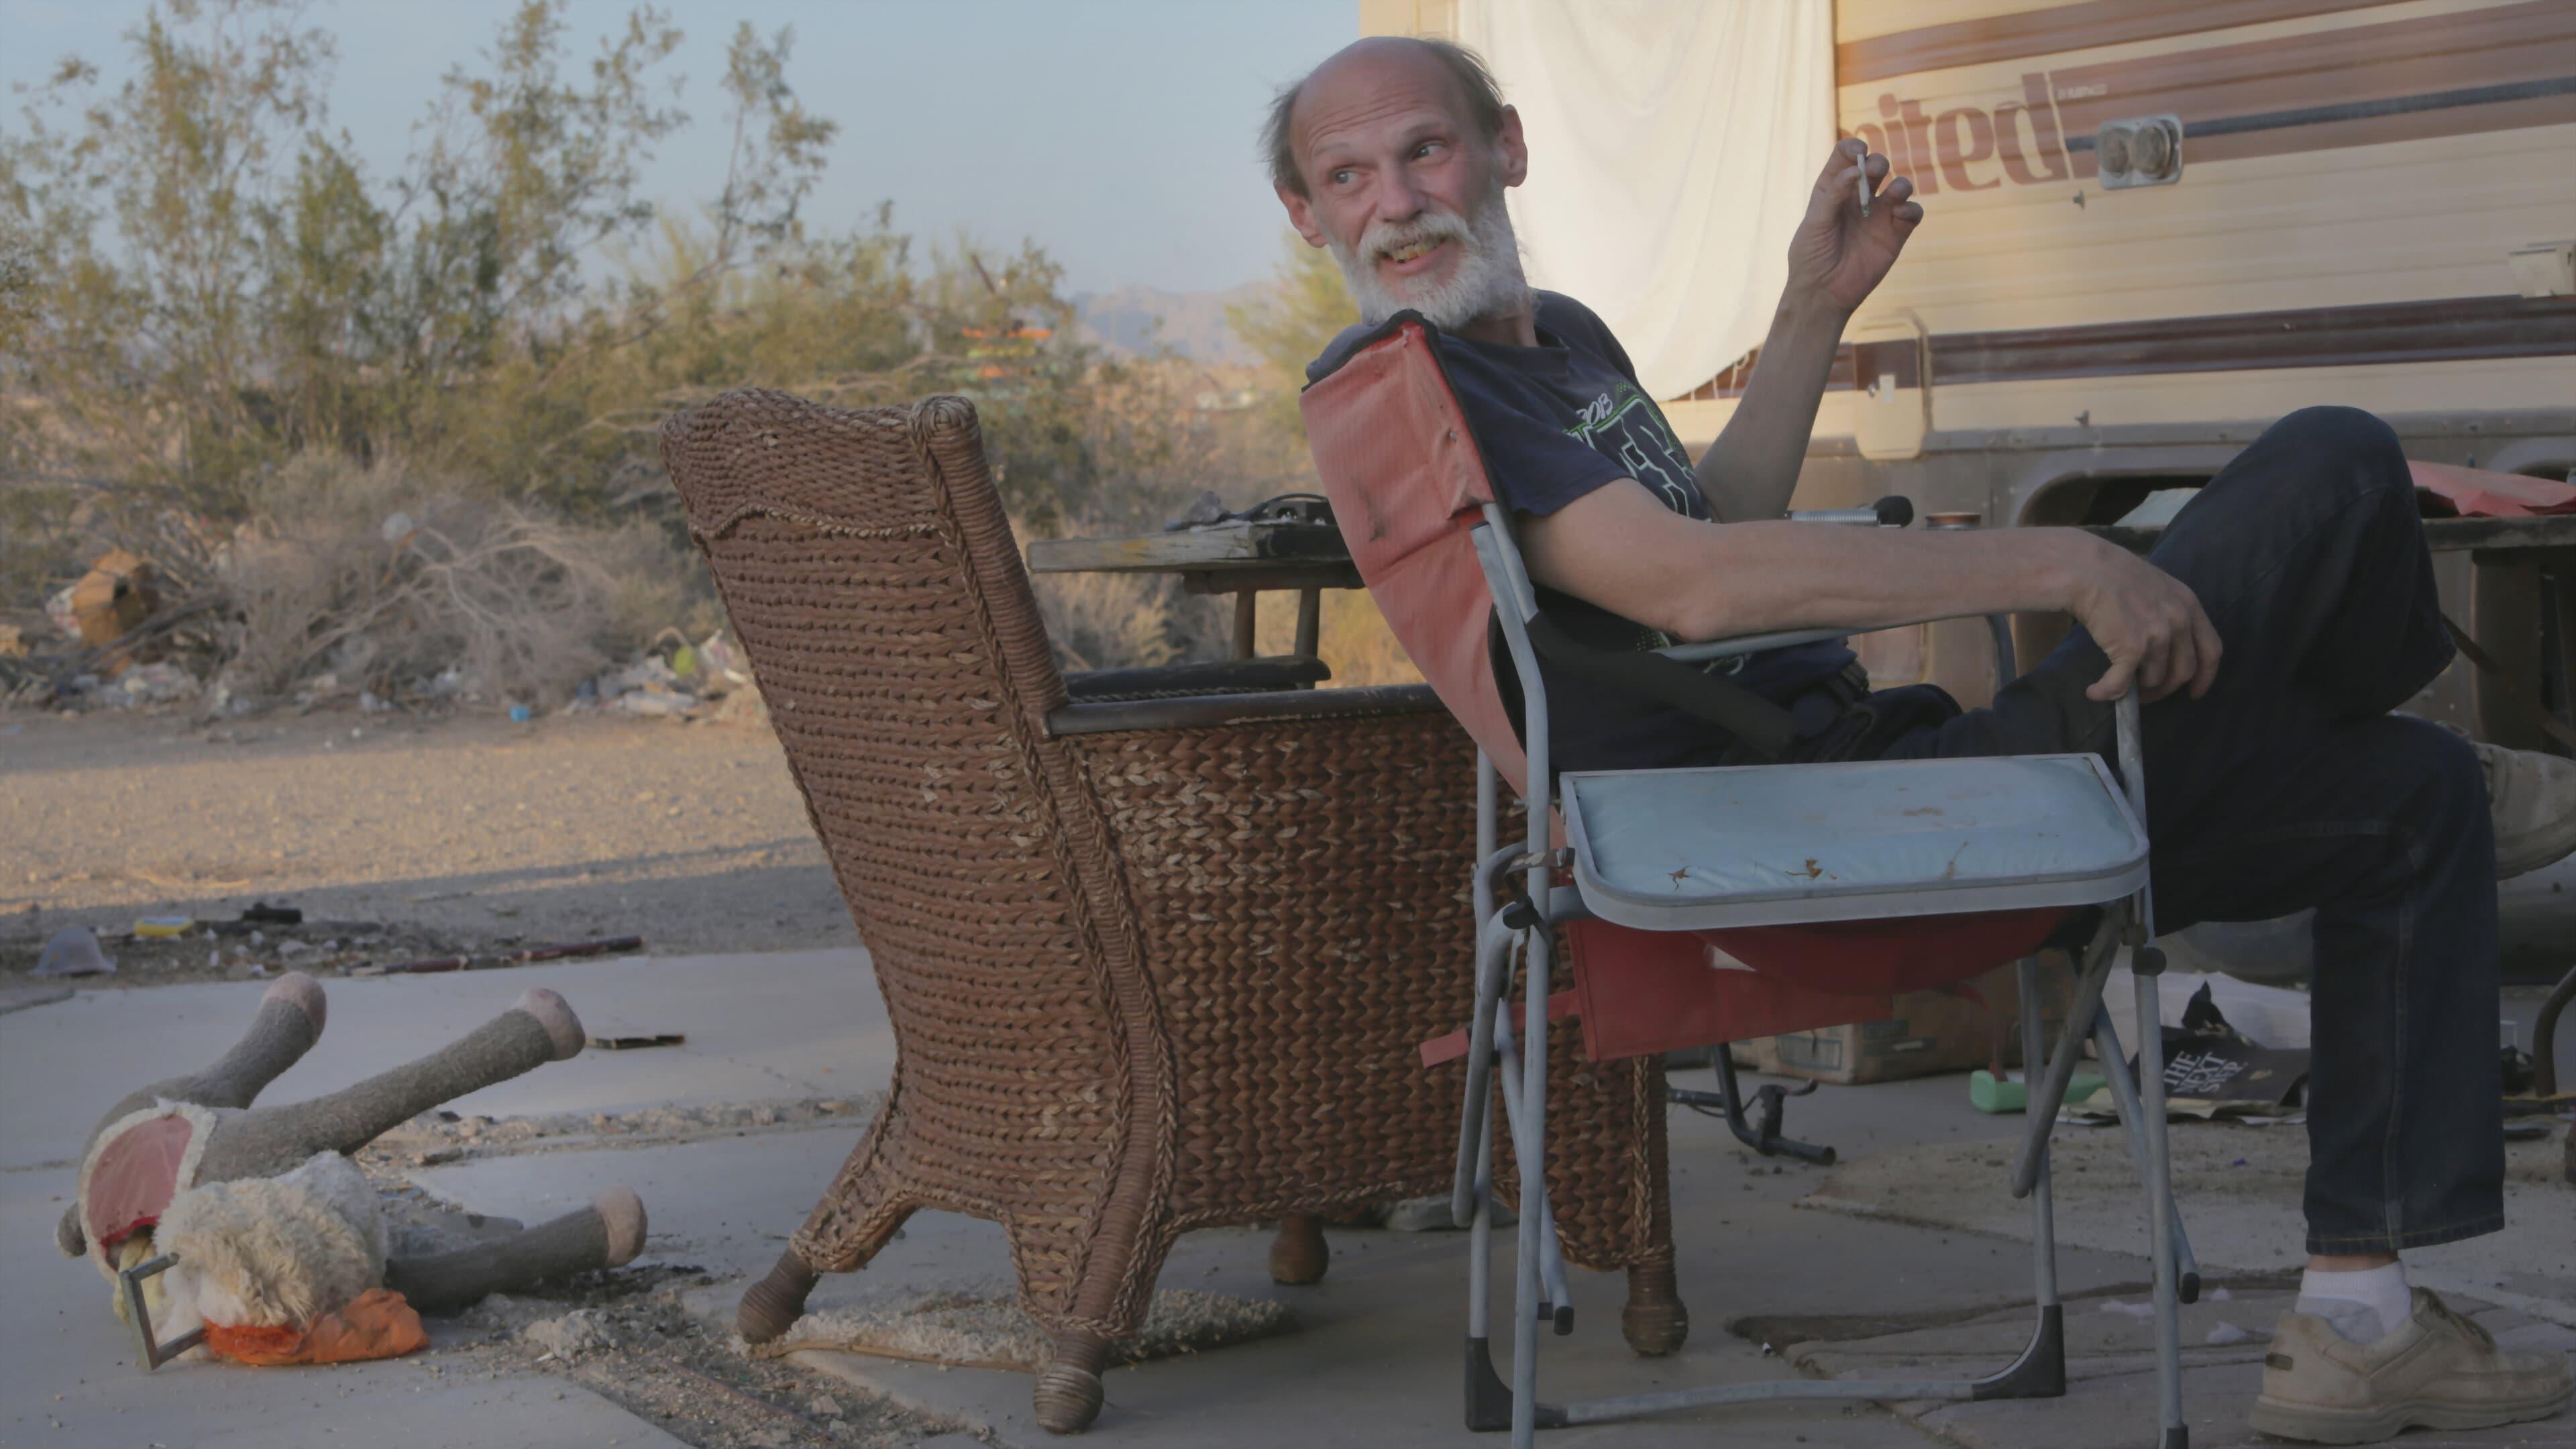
{"x":1306,"y":306}
{"x":200,"y":280}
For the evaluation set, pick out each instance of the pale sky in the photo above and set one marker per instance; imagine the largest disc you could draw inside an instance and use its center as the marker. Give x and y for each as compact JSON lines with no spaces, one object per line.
{"x":1117,"y":133}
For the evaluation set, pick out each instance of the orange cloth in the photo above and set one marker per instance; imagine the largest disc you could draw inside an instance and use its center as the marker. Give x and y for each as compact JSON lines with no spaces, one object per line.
{"x":375,"y":1324}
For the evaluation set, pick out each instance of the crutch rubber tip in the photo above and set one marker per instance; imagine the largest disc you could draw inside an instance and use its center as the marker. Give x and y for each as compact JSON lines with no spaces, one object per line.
{"x":2190,"y":1290}
{"x":1564,"y":1319}
{"x":301,"y":992}
{"x":621,"y":1212}
{"x":555,"y":1015}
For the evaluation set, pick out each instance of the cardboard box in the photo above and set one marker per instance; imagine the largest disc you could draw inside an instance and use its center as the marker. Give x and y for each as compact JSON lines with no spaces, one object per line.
{"x":1976,"y":1023}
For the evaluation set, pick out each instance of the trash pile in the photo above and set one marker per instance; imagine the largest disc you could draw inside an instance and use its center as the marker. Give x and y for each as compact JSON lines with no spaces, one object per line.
{"x":676,"y":679}
{"x":118,"y":639}
{"x":112,"y":642}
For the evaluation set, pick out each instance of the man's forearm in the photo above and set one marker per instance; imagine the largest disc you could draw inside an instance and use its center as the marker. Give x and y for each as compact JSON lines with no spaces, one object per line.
{"x":1749,"y":472}
{"x":1759,"y":577}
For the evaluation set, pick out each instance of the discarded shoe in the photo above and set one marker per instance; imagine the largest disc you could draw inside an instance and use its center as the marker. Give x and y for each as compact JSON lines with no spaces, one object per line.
{"x":2534,"y":799}
{"x":2439,"y":1371}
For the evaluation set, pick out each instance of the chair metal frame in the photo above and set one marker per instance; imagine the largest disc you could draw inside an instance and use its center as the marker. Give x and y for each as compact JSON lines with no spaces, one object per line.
{"x":1521,"y":930}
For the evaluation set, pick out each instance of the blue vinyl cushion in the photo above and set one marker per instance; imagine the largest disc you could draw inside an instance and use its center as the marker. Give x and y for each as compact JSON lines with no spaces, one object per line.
{"x":1684,"y":849}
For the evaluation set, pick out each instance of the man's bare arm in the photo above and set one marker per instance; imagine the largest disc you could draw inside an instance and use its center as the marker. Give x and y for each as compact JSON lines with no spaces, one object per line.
{"x":1620,"y":548}
{"x":1836,"y":257}
{"x":1752,"y":468}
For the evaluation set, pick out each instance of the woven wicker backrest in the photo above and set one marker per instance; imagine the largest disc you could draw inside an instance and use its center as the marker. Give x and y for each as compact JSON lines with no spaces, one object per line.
{"x":868,"y":570}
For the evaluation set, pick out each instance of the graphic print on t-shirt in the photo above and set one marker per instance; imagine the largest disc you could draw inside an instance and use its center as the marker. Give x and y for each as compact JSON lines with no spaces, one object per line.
{"x":1621,"y":424}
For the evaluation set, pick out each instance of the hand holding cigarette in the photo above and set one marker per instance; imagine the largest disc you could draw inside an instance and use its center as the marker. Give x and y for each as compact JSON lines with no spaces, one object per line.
{"x":1850,"y":237}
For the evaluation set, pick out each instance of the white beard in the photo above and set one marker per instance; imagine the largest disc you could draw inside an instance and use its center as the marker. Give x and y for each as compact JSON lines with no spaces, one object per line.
{"x":1486,"y":281}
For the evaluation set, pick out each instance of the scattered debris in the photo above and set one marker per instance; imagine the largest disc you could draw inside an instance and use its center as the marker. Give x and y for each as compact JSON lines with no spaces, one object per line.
{"x":986,"y":1328}
{"x":632,"y":1042}
{"x":157,"y":683}
{"x":73,"y":951}
{"x":584,"y":1330}
{"x":434,"y":964}
{"x":437,"y":1138}
{"x":110,"y":600}
{"x":2212,"y":1069}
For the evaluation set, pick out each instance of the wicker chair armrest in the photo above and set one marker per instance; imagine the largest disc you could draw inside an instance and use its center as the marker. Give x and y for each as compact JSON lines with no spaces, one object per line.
{"x":1215,"y":710}
{"x":1224,"y":676}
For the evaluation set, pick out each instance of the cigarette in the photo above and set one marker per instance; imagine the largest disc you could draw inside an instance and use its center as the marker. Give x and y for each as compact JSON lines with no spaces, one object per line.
{"x":1862,"y":181}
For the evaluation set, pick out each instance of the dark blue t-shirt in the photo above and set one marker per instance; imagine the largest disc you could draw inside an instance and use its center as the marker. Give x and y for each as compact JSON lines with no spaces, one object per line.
{"x":1554,"y":422}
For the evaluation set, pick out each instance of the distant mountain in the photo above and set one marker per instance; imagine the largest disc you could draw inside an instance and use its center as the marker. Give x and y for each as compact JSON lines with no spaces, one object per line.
{"x":1135,"y":320}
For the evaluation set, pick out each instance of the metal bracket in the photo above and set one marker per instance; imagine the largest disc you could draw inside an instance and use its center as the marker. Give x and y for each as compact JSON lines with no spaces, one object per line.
{"x":146,"y":1352}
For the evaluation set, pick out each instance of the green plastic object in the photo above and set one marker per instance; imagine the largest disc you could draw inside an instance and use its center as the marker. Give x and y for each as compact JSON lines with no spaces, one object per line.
{"x":1987,"y":1094}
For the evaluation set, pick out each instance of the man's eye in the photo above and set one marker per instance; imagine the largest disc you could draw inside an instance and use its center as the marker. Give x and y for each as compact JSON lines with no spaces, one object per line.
{"x":1341,"y":177}
{"x":1426,"y":148}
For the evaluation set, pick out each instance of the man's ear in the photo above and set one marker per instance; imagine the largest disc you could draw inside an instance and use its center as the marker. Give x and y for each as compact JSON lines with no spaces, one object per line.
{"x":1301,"y":215}
{"x":1511,"y":150}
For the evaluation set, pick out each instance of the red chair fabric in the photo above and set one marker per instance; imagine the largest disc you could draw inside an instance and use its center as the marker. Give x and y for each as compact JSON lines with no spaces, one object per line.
{"x":1407,"y":485}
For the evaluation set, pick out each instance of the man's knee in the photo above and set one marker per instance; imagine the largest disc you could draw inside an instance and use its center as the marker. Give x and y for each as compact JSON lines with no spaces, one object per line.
{"x":2451,"y":779}
{"x":2344,"y":438}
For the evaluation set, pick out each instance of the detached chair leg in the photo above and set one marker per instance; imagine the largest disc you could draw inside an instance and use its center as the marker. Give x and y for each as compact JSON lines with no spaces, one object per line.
{"x":1067,"y":1397}
{"x":1298,"y":1256}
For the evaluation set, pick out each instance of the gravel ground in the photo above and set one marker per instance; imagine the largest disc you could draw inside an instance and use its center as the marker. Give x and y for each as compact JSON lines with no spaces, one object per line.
{"x":428,"y":835}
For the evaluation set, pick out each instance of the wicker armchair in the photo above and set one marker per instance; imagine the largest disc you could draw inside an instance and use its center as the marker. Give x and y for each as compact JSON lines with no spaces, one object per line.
{"x":1152,"y":965}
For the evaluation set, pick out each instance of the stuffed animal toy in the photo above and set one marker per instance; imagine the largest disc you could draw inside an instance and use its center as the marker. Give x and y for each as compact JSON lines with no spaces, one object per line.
{"x":278,"y":1243}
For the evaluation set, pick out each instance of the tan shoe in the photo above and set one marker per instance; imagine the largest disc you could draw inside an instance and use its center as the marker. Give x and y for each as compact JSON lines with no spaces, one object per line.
{"x":2440,"y":1371}
{"x":2534,"y":799}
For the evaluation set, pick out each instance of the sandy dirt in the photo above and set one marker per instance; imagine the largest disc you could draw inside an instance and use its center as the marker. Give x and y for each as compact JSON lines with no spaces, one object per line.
{"x":401,"y":837}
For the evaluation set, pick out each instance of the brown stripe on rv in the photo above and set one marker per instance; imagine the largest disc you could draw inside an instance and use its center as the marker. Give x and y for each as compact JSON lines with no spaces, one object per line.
{"x":2534,"y":40}
{"x":2441,"y":330}
{"x":2065,"y":27}
{"x":2022,"y":139}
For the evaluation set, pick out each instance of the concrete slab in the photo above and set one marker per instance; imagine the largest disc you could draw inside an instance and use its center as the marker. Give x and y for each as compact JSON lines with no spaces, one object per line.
{"x":779,"y":1024}
{"x":1374,"y":1363}
{"x":2239,"y":1189}
{"x":20,"y":998}
{"x":726,"y":1204}
{"x":2113,"y":1400}
{"x":69,"y":1377}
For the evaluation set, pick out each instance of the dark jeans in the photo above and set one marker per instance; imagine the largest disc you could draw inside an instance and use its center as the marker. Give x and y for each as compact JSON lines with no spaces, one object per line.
{"x":2290,"y":785}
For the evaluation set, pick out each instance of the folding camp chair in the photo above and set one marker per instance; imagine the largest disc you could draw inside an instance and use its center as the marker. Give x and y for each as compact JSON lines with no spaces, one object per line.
{"x":1833,"y":882}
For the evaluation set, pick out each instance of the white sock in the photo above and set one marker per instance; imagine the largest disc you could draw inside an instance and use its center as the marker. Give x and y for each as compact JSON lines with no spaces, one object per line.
{"x":2365,"y":1305}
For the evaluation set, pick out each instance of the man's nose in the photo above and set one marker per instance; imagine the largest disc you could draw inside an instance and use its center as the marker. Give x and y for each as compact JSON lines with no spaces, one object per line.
{"x":1398,"y":199}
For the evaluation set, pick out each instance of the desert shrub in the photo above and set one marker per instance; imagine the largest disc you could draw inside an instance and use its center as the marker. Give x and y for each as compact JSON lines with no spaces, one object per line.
{"x":407,"y":586}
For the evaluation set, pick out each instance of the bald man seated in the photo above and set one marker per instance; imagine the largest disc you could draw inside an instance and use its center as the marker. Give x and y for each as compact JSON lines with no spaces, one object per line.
{"x":2284,"y":616}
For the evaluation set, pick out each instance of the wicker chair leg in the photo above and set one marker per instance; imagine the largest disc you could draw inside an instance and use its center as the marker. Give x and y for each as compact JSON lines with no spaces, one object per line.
{"x":1067,"y":1396}
{"x":1654,"y":1322}
{"x":772,"y":1305}
{"x":1298,"y":1255}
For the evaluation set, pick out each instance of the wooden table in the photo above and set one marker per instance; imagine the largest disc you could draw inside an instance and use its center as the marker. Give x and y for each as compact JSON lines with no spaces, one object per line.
{"x":1239,"y":558}
{"x":1245,"y":559}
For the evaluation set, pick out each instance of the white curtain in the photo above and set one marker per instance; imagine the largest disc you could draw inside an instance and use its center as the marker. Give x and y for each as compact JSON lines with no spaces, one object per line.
{"x":1672,"y":147}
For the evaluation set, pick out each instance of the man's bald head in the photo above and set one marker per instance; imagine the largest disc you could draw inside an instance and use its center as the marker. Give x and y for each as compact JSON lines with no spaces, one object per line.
{"x":1477,"y":100}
